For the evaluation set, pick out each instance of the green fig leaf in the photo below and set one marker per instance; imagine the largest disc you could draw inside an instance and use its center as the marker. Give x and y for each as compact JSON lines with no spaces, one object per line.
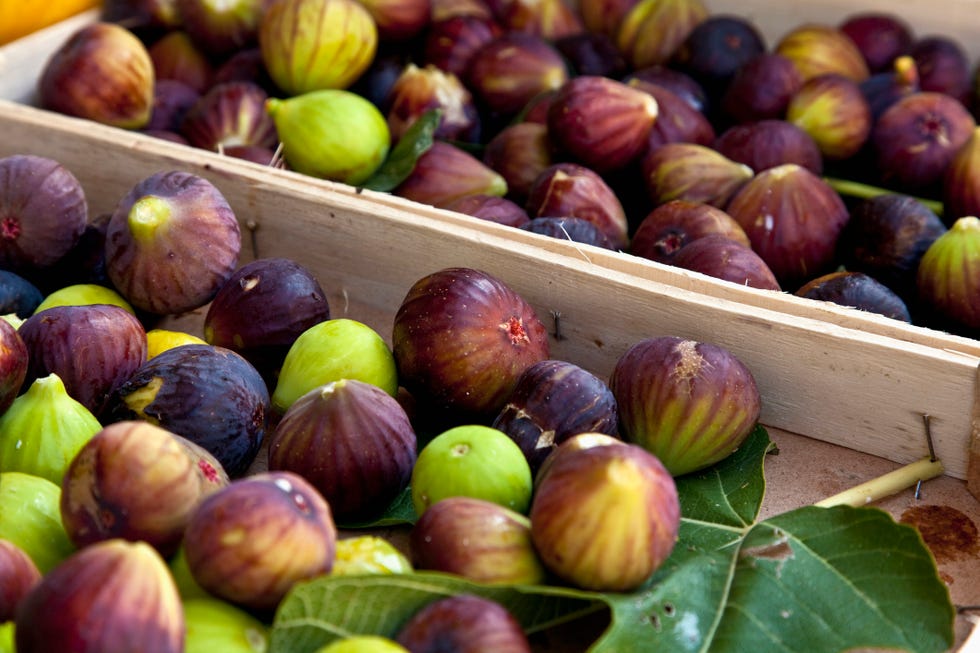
{"x":401,"y":512}
{"x":812,"y":579}
{"x":415,"y":142}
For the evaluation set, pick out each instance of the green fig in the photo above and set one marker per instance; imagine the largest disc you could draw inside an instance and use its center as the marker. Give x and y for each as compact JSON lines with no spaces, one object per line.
{"x":216,"y":625}
{"x":363,"y":644}
{"x":30,"y":517}
{"x":331,"y":134}
{"x":43,"y":430}
{"x":368,"y":554}
{"x":7,"y":637}
{"x":83,"y":293}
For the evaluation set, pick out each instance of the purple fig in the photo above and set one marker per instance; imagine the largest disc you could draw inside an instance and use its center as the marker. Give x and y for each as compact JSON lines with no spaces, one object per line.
{"x":764,"y":144}
{"x":464,"y":623}
{"x":856,"y":290}
{"x":671,"y":226}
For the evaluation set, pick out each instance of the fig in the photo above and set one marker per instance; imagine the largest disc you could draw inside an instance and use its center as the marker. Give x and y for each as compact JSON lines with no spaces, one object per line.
{"x":461,"y":338}
{"x":442,"y":540}
{"x":251,"y":541}
{"x":92,"y":348}
{"x":81,"y":294}
{"x":883,"y":89}
{"x":18,"y":296}
{"x":716,"y":48}
{"x":651,"y":31}
{"x":443,"y":9}
{"x":625,"y":497}
{"x":245,"y":65}
{"x":464,"y":623}
{"x":159,"y":340}
{"x":604,"y":16}
{"x":817,"y":49}
{"x":445,"y":173}
{"x":856,"y":290}
{"x":519,"y":153}
{"x":228,"y":115}
{"x":761,"y":89}
{"x":680,"y":84}
{"x":103,"y":73}
{"x":449,"y":44}
{"x":311,"y":45}
{"x":576,"y":191}
{"x":553,"y":401}
{"x":112,"y":597}
{"x":215,"y":625}
{"x":221,"y":27}
{"x":177,"y":58}
{"x":886,"y":236}
{"x":352,"y":441}
{"x":577,"y":230}
{"x":417,"y":90}
{"x":136,"y":481}
{"x":692,"y":172}
{"x":13,"y":365}
{"x":721,"y":257}
{"x":18,"y":576}
{"x":399,"y":20}
{"x":592,"y":53}
{"x":549,"y":19}
{"x":689,"y":403}
{"x":943,"y":66}
{"x":491,"y":208}
{"x":363,"y":644}
{"x":670,"y":226}
{"x":43,"y":212}
{"x":171,"y":242}
{"x":368,"y":554}
{"x":948,"y":277}
{"x":207,"y":394}
{"x":331,"y":350}
{"x":44,"y":429}
{"x":833,"y":110}
{"x":31,"y":518}
{"x":793,"y":219}
{"x":677,"y":121}
{"x":961,"y":180}
{"x":331,"y":134}
{"x":764,"y":144}
{"x":880,"y":36}
{"x":171,"y":102}
{"x":144,"y":16}
{"x":915,"y":139}
{"x":262,"y":309}
{"x":600,"y":122}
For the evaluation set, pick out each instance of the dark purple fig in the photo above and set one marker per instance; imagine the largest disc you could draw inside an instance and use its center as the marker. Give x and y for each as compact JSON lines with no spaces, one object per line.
{"x":519,"y":153}
{"x":150,"y":17}
{"x":172,"y":241}
{"x":491,"y":208}
{"x":18,"y":295}
{"x":442,"y":540}
{"x":835,"y":113}
{"x":93,"y":348}
{"x":418,"y":90}
{"x":136,"y":481}
{"x":881,"y":37}
{"x":716,"y":48}
{"x":793,"y":219}
{"x":886,"y":237}
{"x":856,"y":290}
{"x":261,"y":310}
{"x":251,"y":541}
{"x":914,"y":140}
{"x":652,"y":30}
{"x":244,"y":66}
{"x":577,"y":191}
{"x":222,"y":27}
{"x":352,"y":441}
{"x":944,"y":66}
{"x":83,"y":264}
{"x":18,"y":576}
{"x":576,"y":230}
{"x":110,"y":597}
{"x":670,"y":226}
{"x":399,"y":20}
{"x":496,"y":335}
{"x":817,"y":49}
{"x":881,"y":90}
{"x":232,"y":113}
{"x":177,"y":58}
{"x":451,"y":43}
{"x":764,"y":144}
{"x":961,"y":181}
{"x":549,"y":19}
{"x":463,"y":623}
{"x":209,"y":395}
{"x":623,"y":497}
{"x":446,"y":172}
{"x":722,"y":258}
{"x":948,"y":278}
{"x":43,"y":212}
{"x":13,"y":364}
{"x":600,"y":122}
{"x":254,"y":153}
{"x":171,"y":102}
{"x":553,"y":401}
{"x":761,"y":89}
{"x":680,"y":84}
{"x":689,"y":403}
{"x":677,"y":121}
{"x":692,"y":172}
{"x":592,"y":53}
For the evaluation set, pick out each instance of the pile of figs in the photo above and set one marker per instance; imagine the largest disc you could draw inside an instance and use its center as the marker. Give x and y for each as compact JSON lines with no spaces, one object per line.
{"x":163,"y":490}
{"x":633,"y":125}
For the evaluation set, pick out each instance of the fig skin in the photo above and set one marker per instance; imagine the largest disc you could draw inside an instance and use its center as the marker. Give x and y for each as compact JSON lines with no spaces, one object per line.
{"x":761,"y":89}
{"x":222,"y":28}
{"x":352,"y":441}
{"x":104,"y":73}
{"x":13,"y":364}
{"x":463,"y":623}
{"x":688,"y":171}
{"x":680,"y":84}
{"x":625,"y":497}
{"x":961,"y":180}
{"x":491,"y":208}
{"x":445,"y":173}
{"x":577,"y":230}
{"x":450,"y":43}
{"x":677,"y":121}
{"x":817,"y":49}
{"x":136,"y":481}
{"x":171,"y":102}
{"x":943,"y":65}
{"x":651,"y":31}
{"x":171,"y":242}
{"x":856,"y":290}
{"x":550,"y":19}
{"x":553,"y":401}
{"x":689,"y":403}
{"x":591,"y":53}
{"x":216,"y":625}
{"x":716,"y":48}
{"x":176,"y":58}
{"x":670,"y":226}
{"x":721,"y":257}
{"x":884,"y":89}
{"x":207,"y":394}
{"x":399,"y":20}
{"x":43,"y":212}
{"x":18,"y":295}
{"x":765,"y":144}
{"x":251,"y":541}
{"x":881,"y":37}
{"x":418,"y":90}
{"x":461,"y":338}
{"x":111,"y":597}
{"x":832,"y":109}
{"x":948,"y":278}
{"x":230,"y":114}
{"x":31,"y":518}
{"x":368,"y":554}
{"x":93,"y":348}
{"x":18,"y":576}
{"x":442,"y":540}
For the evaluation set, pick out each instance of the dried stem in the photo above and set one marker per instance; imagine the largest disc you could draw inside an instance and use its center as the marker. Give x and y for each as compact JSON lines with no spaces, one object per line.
{"x":884,"y":486}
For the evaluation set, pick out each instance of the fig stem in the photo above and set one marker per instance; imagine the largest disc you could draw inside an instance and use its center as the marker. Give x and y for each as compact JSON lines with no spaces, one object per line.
{"x":886,"y":485}
{"x":867,"y":191}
